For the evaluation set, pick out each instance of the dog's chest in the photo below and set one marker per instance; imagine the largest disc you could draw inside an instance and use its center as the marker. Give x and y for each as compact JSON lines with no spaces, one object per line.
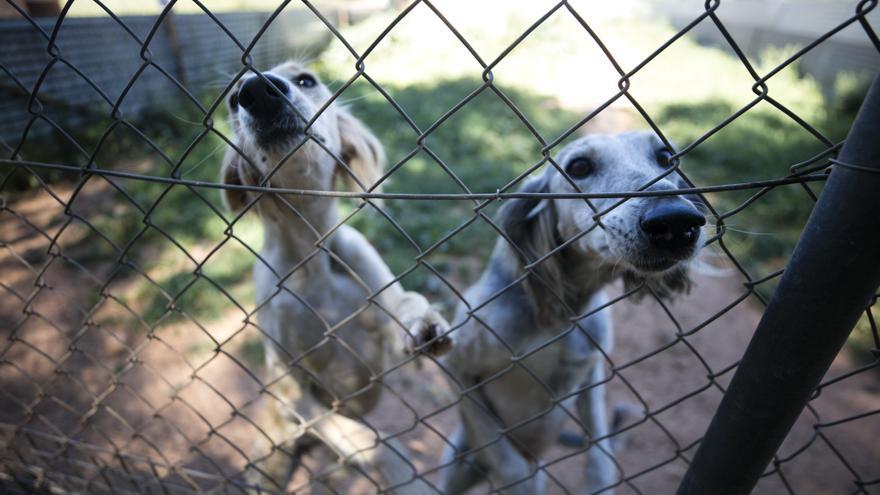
{"x":300,"y":314}
{"x":564,"y":365}
{"x":528,"y":394}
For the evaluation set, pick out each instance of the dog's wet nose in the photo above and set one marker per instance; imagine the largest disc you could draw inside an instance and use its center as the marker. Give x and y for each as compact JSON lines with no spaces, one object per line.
{"x":674,"y":225}
{"x":260,"y":98}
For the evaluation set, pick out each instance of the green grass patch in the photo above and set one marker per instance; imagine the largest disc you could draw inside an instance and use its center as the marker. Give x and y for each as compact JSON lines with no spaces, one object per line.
{"x":481,"y":148}
{"x":204,"y":296}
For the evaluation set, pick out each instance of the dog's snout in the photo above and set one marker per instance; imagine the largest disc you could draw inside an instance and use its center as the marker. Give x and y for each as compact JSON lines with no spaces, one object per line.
{"x":672,"y":226}
{"x":260,"y":98}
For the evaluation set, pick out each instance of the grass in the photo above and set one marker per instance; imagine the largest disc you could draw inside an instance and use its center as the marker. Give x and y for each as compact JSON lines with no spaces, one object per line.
{"x":554,"y":78}
{"x":479,"y":149}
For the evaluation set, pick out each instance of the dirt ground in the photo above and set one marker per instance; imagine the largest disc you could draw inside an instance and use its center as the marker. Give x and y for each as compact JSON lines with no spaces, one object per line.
{"x":178,"y":413}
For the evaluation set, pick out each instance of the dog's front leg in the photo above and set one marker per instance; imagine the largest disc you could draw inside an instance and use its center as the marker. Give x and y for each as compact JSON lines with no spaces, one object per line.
{"x":425,"y":326}
{"x":276,"y":452}
{"x":462,"y":470}
{"x":274,"y":458}
{"x":421,"y":321}
{"x":509,"y":471}
{"x":358,"y":444}
{"x":591,"y":410}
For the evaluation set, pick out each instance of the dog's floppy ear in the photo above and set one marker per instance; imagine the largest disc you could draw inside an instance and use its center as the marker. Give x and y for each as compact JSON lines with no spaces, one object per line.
{"x":530,"y":225}
{"x":233,"y":173}
{"x":361,"y":151}
{"x":525,"y":221}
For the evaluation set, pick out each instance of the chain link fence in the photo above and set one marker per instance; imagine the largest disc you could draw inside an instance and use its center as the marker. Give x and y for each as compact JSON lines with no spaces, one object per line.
{"x":118,"y":375}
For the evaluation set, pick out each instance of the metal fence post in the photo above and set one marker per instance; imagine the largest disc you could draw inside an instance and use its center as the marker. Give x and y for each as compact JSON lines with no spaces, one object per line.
{"x":831,"y":278}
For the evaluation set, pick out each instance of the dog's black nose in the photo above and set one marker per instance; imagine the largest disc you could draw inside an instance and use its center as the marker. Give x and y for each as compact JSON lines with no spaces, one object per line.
{"x":672,"y":225}
{"x":260,"y":98}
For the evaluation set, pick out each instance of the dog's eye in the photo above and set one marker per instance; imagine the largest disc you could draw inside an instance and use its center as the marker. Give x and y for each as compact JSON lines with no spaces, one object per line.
{"x":305,"y":81}
{"x":580,"y":167}
{"x":233,"y":101}
{"x":664,"y":158}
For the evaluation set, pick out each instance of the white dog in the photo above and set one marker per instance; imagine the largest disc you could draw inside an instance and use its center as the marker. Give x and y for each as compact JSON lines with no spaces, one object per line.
{"x":326,"y":336}
{"x":532,"y":328}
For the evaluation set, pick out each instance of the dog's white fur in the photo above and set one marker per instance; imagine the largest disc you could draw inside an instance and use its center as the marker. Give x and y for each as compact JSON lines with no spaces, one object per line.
{"x":523,"y":350}
{"x":324,"y":338}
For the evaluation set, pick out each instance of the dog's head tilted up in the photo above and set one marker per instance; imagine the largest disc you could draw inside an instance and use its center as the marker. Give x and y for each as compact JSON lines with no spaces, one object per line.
{"x":645,"y":239}
{"x":284,"y":132}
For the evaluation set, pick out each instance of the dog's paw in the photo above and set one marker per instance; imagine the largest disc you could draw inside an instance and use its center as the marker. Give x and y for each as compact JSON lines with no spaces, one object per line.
{"x":624,"y":417}
{"x":428,"y":335}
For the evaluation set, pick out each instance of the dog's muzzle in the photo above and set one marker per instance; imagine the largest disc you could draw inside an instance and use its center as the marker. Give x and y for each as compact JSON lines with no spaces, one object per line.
{"x":672,"y":226}
{"x":670,"y":229}
{"x":266,"y":100}
{"x":260,"y":98}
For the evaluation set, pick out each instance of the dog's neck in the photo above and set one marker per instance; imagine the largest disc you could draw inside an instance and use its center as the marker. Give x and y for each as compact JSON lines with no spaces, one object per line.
{"x":293,"y":224}
{"x":554,"y":302}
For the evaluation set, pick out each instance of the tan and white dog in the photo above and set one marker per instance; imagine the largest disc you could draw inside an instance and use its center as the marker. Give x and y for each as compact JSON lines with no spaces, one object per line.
{"x":329,"y":308}
{"x":532,"y":334}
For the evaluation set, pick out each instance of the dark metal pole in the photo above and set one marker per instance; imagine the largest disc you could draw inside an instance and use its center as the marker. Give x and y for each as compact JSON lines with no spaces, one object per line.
{"x":828,"y":282}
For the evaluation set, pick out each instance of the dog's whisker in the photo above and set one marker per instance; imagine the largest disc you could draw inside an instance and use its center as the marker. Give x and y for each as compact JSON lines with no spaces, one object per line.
{"x":205,"y":159}
{"x":727,"y":226}
{"x":186,"y":121}
{"x":353,"y":99}
{"x":6,"y":145}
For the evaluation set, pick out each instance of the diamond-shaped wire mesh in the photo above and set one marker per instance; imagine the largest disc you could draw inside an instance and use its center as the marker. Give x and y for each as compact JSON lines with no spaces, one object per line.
{"x":134,"y":352}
